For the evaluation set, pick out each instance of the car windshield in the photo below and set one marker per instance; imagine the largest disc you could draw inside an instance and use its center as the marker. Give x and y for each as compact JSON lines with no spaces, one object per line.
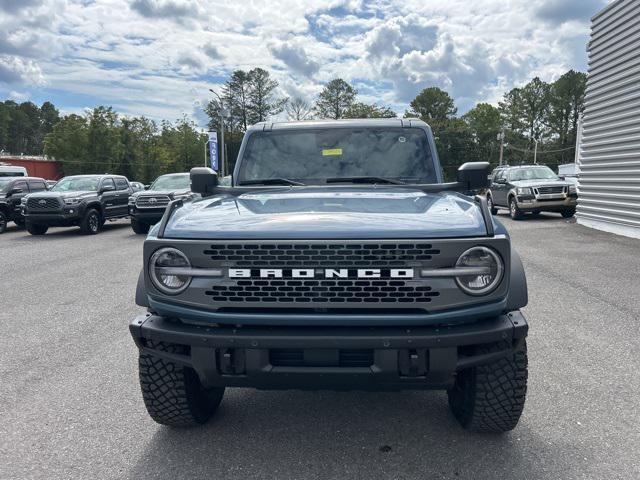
{"x":4,"y":184}
{"x":77,"y":184}
{"x":312,"y":156}
{"x":532,"y":173}
{"x":171,"y":182}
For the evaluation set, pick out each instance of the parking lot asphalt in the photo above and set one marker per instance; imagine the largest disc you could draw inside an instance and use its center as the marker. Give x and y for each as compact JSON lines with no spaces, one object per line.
{"x":70,"y":405}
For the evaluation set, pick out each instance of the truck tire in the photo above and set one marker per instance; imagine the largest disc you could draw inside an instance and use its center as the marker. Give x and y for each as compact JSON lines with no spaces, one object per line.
{"x":35,"y":229}
{"x":139,"y":227}
{"x":3,"y":222}
{"x":514,"y":212}
{"x":492,"y":207}
{"x":490,"y":398}
{"x":91,"y":222}
{"x":172,"y":393}
{"x":568,"y":213}
{"x":19,"y":222}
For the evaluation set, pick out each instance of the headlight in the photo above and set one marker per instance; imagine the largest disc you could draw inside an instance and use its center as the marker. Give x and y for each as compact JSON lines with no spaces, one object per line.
{"x":182,"y":196}
{"x":132,"y":200}
{"x":480,"y":284}
{"x":72,"y":201}
{"x":23,"y":201}
{"x":163,"y":260}
{"x":523,"y":191}
{"x":572,"y":189}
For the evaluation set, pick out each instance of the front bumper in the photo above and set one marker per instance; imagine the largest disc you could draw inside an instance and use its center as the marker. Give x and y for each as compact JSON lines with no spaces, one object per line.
{"x":62,"y":218}
{"x":336,"y":358}
{"x":150,"y":216}
{"x":529,"y":202}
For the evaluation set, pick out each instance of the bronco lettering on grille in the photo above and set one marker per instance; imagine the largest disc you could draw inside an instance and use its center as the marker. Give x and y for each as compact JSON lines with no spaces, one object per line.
{"x":324,"y":273}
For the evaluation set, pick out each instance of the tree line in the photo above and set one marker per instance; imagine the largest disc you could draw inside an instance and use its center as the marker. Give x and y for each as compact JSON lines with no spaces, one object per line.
{"x":539,"y":113}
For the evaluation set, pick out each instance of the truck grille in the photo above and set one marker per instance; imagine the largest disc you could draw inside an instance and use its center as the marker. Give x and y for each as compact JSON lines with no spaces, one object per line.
{"x":322,"y":255}
{"x":323,"y":291}
{"x":549,"y":190}
{"x":43,"y":204}
{"x":152,"y":201}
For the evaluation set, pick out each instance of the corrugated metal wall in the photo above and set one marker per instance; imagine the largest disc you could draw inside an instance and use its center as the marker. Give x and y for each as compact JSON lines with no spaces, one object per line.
{"x":609,"y":179}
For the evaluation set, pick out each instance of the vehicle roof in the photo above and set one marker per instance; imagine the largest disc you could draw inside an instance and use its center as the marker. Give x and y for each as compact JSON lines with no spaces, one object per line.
{"x":524,"y":166}
{"x":93,"y":175}
{"x":177,"y":174}
{"x":23,"y":178}
{"x":342,"y":123}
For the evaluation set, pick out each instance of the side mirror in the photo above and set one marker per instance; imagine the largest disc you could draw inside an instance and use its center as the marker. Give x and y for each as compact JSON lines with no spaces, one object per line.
{"x":474,"y":175}
{"x":107,"y":188}
{"x":15,"y":191}
{"x":203,"y":180}
{"x":146,"y":187}
{"x":501,"y":180}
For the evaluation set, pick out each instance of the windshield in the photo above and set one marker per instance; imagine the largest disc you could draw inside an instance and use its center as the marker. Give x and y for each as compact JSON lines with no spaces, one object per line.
{"x":4,"y":184}
{"x":171,"y":182}
{"x":77,"y":184}
{"x":533,"y":173}
{"x":313,"y":156}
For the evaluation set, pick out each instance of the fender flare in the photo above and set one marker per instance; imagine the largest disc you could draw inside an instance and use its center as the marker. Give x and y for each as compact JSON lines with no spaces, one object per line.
{"x":518,"y":296}
{"x":141,"y":291}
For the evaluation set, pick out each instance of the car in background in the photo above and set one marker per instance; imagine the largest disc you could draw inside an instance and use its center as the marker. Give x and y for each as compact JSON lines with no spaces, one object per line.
{"x":12,"y":171}
{"x":12,"y":191}
{"x":50,"y":184}
{"x":147,"y":207}
{"x":137,"y":186}
{"x":530,"y":189}
{"x":86,"y":201}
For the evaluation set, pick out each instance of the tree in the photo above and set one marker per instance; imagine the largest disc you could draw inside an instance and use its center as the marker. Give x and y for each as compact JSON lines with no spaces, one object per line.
{"x":298,"y":109}
{"x":68,"y":143}
{"x":335,"y":99}
{"x":565,"y":107}
{"x":261,"y":95}
{"x":484,"y":124}
{"x":364,"y":110}
{"x":432,"y":105}
{"x":104,"y":140}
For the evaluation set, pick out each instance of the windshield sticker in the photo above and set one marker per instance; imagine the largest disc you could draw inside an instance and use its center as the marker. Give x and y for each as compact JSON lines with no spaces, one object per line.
{"x":331,"y":152}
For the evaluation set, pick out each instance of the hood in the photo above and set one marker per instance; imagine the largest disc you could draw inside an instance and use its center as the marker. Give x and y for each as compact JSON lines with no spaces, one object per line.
{"x":63,"y":194}
{"x":153,"y":193}
{"x":539,"y":183}
{"x":329,"y":212}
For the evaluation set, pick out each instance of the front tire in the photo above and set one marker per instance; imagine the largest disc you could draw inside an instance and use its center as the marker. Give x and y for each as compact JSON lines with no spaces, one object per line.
{"x":490,"y":398}
{"x":139,"y":227}
{"x":172,"y":393}
{"x":568,"y":213}
{"x":91,"y":222}
{"x":490,"y":204}
{"x":35,"y":229}
{"x":514,"y":212}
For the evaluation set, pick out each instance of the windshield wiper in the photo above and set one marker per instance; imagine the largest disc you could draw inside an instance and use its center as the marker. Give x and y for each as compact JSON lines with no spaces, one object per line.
{"x":365,"y":180}
{"x":271,"y":181}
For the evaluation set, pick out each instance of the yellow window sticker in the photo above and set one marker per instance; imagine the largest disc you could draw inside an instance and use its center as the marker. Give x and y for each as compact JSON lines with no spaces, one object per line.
{"x":331,"y":152}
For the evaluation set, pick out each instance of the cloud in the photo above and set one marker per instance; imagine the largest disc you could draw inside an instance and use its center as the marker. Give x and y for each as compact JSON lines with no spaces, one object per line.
{"x":559,"y":11}
{"x":401,"y":35}
{"x":13,"y":6}
{"x":16,"y":70}
{"x":295,"y":57}
{"x":171,"y":9}
{"x":212,"y":52}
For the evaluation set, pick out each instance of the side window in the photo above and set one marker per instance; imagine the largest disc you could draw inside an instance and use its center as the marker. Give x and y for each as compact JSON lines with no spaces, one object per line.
{"x":22,"y":185}
{"x":36,"y":186}
{"x":121,"y":184}
{"x":108,"y":182}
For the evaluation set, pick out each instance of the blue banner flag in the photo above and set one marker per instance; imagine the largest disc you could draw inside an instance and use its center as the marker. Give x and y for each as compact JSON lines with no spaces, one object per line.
{"x":213,"y":149}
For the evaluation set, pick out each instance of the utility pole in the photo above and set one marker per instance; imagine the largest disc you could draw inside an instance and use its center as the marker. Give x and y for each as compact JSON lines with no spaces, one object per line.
{"x":535,"y":151}
{"x":222,"y":146}
{"x":501,"y":138}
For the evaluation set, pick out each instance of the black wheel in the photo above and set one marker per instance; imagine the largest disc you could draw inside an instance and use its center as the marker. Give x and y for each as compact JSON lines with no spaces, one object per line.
{"x":3,"y":222}
{"x":514,"y":211}
{"x":19,"y":222}
{"x":568,"y":213}
{"x":491,"y":206}
{"x":172,"y":393}
{"x":490,"y":398}
{"x":91,"y":222}
{"x":35,"y":229}
{"x":140,"y":227}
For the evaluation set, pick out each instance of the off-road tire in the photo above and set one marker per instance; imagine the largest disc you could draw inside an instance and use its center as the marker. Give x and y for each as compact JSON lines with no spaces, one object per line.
{"x":140,"y":228}
{"x":568,"y":213}
{"x":91,"y":222}
{"x":490,"y":398}
{"x":492,"y":207}
{"x":514,"y":212}
{"x":35,"y":229}
{"x":173,"y":393}
{"x":3,"y":222}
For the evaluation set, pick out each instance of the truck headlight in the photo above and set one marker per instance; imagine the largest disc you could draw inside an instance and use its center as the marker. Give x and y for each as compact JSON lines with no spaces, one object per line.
{"x":162,"y":262}
{"x":523,"y":191}
{"x":572,"y":189}
{"x":480,"y":284}
{"x":72,"y":201}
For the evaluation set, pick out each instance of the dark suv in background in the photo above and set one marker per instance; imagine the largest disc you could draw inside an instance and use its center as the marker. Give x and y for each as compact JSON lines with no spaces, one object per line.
{"x":146,"y":207}
{"x":83,"y":200}
{"x":530,"y":189}
{"x":12,"y":191}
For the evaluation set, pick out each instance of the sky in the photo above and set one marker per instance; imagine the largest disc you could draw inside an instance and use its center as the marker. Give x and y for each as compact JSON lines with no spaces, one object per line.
{"x":159,"y":57}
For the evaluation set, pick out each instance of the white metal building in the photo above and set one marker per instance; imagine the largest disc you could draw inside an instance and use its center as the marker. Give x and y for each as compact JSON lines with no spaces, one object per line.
{"x":609,"y":147}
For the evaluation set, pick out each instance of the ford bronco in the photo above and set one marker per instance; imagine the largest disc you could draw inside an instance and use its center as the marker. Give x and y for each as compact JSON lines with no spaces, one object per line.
{"x":338,"y":258}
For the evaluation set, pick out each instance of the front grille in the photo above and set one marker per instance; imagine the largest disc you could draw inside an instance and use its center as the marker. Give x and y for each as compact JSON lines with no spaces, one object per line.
{"x":329,"y":255}
{"x":43,"y":204}
{"x":291,"y":357}
{"x":152,"y":201}
{"x":549,"y":190}
{"x":334,"y":292}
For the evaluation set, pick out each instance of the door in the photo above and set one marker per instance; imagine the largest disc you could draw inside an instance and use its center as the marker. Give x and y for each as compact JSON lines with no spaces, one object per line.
{"x":122,"y":195}
{"x":108,"y":198}
{"x":499,"y":188}
{"x":14,"y":199}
